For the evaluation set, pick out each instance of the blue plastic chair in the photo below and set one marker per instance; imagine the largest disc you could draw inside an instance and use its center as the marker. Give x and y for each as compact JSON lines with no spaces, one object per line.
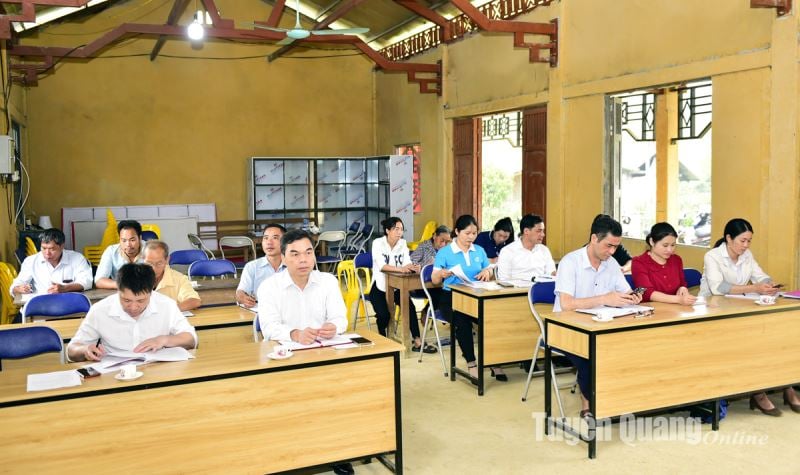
{"x":30,"y":341}
{"x":56,"y":305}
{"x":542,"y":292}
{"x":361,"y":261}
{"x":256,"y":329}
{"x":629,"y":278}
{"x":149,"y":235}
{"x":187,"y":257}
{"x":215,"y":268}
{"x":692,"y":276}
{"x":431,"y":316}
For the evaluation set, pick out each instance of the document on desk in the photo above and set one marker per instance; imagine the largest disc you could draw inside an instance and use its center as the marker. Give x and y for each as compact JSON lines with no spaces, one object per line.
{"x":187,"y":313}
{"x":336,"y":340}
{"x":249,"y":309}
{"x":54,"y":380}
{"x":748,"y":296}
{"x":794,"y":294}
{"x":114,"y":360}
{"x":459,"y":272}
{"x":614,"y":312}
{"x":26,"y":297}
{"x":521,"y":283}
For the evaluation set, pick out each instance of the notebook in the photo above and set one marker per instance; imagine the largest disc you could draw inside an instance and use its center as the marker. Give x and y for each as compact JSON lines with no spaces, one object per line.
{"x":607,"y":313}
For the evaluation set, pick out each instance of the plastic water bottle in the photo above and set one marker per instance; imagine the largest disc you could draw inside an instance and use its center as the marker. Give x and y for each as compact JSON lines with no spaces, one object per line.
{"x":305,"y":224}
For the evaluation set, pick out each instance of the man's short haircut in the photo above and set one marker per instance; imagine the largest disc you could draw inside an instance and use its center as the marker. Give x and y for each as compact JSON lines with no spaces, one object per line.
{"x":292,"y":236}
{"x":156,"y":244}
{"x":138,"y":278}
{"x":441,"y":230}
{"x":54,"y":235}
{"x":603,"y":225}
{"x":529,"y":221}
{"x":129,"y":224}
{"x":276,"y":226}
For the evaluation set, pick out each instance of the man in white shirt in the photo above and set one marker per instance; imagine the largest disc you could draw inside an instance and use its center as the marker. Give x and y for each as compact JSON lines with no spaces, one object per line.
{"x":115,"y":256}
{"x":134,"y":319}
{"x":300,"y":304}
{"x":53,"y":269}
{"x":526,"y":257}
{"x":257,"y":271}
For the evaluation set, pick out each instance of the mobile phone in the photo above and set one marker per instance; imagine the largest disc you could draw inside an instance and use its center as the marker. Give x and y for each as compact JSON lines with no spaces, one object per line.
{"x":361,"y":341}
{"x":639,"y":290}
{"x":88,"y":372}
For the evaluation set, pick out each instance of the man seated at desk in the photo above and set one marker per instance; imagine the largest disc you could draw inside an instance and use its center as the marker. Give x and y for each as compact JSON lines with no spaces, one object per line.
{"x":256,"y":271}
{"x":170,"y":282}
{"x":53,"y":269}
{"x":134,"y":319}
{"x":115,"y":256}
{"x":526,"y":257}
{"x":300,"y":304}
{"x":587,"y":278}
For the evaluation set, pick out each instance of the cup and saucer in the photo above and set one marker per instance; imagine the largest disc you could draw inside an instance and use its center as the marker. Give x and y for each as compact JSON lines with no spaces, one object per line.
{"x":128,"y":373}
{"x":280,"y":353}
{"x":766,"y":300}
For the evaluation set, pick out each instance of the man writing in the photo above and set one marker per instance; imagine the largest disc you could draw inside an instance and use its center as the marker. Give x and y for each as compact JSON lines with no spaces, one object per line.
{"x":53,"y":269}
{"x":170,"y":282}
{"x":257,"y":271}
{"x":134,"y":319}
{"x":526,"y":257}
{"x":587,"y":278}
{"x":115,"y":256}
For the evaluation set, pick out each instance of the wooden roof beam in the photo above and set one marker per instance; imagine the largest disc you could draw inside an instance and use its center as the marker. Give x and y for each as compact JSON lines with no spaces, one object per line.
{"x":174,"y":14}
{"x":430,"y":15}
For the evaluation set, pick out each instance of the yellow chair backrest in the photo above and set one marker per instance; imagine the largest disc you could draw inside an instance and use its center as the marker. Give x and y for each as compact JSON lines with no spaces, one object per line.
{"x":152,"y":227}
{"x":427,"y":233}
{"x":110,"y":235}
{"x":9,"y":310}
{"x":30,"y":247}
{"x":347,"y":275}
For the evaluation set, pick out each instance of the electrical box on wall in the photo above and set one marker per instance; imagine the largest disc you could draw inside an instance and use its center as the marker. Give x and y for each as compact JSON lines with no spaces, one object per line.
{"x":6,"y":155}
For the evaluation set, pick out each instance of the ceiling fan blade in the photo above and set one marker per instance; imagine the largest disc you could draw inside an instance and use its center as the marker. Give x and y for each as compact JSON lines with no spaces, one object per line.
{"x":263,"y":27}
{"x":344,"y":31}
{"x":285,"y":41}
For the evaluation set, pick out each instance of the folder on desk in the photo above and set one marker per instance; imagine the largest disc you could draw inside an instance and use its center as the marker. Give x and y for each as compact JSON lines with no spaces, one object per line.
{"x":613,"y":312}
{"x":335,"y":341}
{"x":794,"y":294}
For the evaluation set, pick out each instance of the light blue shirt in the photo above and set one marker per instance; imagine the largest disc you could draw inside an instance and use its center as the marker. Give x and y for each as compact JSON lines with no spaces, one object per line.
{"x":472,"y":262}
{"x":111,"y":262}
{"x":254,"y":273}
{"x":576,"y":276}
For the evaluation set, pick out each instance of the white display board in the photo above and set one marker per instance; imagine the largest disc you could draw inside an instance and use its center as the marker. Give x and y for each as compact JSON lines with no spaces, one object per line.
{"x":93,"y":222}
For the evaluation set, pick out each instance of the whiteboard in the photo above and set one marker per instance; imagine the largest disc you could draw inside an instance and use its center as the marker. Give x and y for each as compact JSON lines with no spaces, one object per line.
{"x":89,"y":235}
{"x":173,"y":231}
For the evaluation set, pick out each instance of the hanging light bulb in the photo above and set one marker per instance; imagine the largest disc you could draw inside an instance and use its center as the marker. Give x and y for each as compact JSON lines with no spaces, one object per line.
{"x":195,"y":31}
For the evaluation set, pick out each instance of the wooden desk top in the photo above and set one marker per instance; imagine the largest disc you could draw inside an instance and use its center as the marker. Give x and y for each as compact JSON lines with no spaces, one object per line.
{"x":484,"y":293}
{"x":717,"y":307}
{"x":214,"y":360}
{"x":204,"y":318}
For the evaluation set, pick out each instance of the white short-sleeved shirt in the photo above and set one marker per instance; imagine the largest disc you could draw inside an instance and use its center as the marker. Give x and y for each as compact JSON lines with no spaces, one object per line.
{"x":516,"y":262}
{"x":111,"y":261}
{"x":108,"y":323}
{"x":35,"y":270}
{"x":384,"y":255}
{"x":720,"y":273}
{"x":254,"y":273}
{"x":578,"y":278}
{"x":283,"y":306}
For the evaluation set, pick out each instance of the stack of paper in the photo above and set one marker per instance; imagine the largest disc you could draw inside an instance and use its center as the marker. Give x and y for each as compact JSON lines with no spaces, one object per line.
{"x":55,"y":380}
{"x":614,"y":312}
{"x":459,"y":272}
{"x":794,"y":294}
{"x":336,"y":340}
{"x":748,"y":296}
{"x":115,"y":359}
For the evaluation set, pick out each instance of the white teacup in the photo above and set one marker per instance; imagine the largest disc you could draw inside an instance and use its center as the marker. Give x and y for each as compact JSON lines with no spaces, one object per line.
{"x":766,"y":299}
{"x":282,"y":351}
{"x":127,"y":371}
{"x":700,"y":300}
{"x":195,"y":284}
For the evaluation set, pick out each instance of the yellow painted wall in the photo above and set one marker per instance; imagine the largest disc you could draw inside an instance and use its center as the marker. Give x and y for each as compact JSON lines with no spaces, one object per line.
{"x":8,"y":230}
{"x":127,"y":131}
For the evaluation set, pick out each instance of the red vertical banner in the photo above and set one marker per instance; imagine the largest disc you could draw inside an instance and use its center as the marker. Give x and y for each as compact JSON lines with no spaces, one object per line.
{"x":415,"y":150}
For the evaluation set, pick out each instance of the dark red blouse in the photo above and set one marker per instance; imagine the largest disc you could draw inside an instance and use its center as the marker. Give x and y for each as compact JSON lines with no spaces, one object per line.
{"x":651,"y":275}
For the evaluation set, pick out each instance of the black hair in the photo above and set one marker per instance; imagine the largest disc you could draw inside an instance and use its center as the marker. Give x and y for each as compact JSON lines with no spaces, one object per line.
{"x":129,"y":224}
{"x":603,"y":225}
{"x":276,"y":226}
{"x":292,"y":236}
{"x":463,"y":222}
{"x":506,"y":225}
{"x":658,"y":232}
{"x":529,"y":221}
{"x":52,"y":235}
{"x":138,"y":278}
{"x":733,"y":228}
{"x":389,"y":223}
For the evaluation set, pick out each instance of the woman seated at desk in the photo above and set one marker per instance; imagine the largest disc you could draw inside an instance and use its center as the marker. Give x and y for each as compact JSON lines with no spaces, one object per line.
{"x":730,"y":268}
{"x":494,"y":241}
{"x":390,"y":254}
{"x":475,"y":265}
{"x":659,"y":270}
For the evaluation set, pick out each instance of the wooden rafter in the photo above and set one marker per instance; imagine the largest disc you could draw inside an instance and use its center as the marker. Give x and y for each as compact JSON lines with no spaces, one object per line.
{"x":172,"y":19}
{"x":430,"y":15}
{"x":781,"y":6}
{"x":275,"y":14}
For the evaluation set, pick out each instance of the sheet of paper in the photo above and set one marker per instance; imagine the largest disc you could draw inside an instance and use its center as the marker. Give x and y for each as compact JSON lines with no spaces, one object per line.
{"x":54,"y":380}
{"x":749,"y":296}
{"x":26,"y":297}
{"x":187,"y":313}
{"x":515,"y":283}
{"x":614,"y":312}
{"x":165,"y":354}
{"x":336,"y":340}
{"x":254,"y":309}
{"x":459,"y":272}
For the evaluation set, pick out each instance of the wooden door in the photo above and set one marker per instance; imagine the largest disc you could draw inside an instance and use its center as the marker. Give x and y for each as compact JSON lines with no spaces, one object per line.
{"x":534,"y":161}
{"x":466,"y":167}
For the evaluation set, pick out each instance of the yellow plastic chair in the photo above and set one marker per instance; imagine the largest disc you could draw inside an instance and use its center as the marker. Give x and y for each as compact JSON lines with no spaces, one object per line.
{"x":151,"y":227}
{"x":347,"y":274}
{"x":110,"y":236}
{"x":30,"y":247}
{"x":427,"y":233}
{"x":8,"y":309}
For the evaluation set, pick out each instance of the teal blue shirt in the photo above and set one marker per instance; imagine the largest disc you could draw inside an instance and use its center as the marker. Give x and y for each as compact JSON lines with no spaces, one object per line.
{"x":472,"y":262}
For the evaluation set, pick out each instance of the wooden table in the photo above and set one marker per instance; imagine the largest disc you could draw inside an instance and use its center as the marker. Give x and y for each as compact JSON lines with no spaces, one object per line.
{"x":507,"y":332}
{"x":405,"y":283}
{"x":230,"y":410}
{"x":679,"y":356}
{"x":212,"y":292}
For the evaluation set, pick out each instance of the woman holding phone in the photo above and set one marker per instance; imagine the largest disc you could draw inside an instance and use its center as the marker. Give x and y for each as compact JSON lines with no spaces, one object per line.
{"x":475,"y":265}
{"x":730,"y":268}
{"x":659,"y":270}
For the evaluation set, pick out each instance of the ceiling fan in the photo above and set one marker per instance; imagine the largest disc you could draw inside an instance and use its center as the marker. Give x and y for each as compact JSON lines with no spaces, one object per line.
{"x":300,"y":33}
